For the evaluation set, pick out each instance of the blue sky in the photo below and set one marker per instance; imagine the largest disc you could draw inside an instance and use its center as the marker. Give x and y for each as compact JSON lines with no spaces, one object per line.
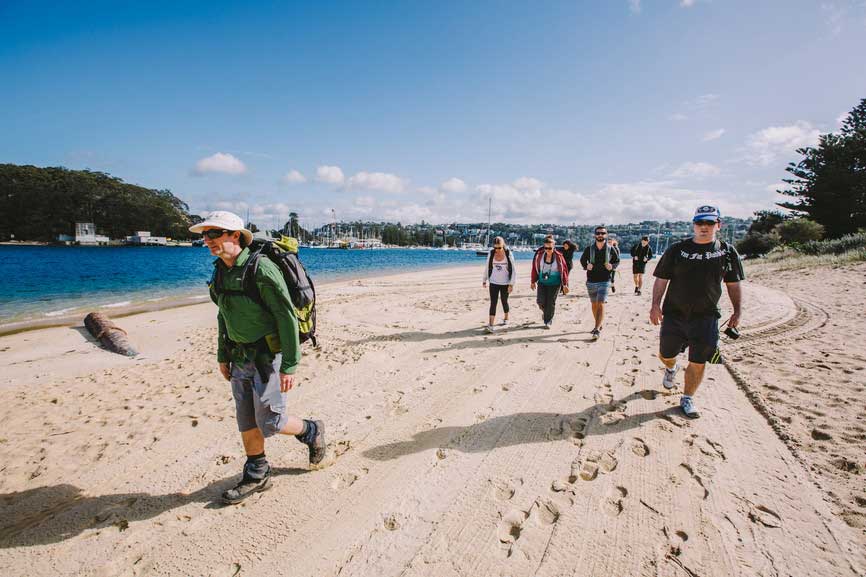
{"x":564,"y":112}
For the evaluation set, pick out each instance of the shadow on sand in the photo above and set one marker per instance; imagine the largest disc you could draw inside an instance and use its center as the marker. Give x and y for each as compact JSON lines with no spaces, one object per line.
{"x":55,"y":513}
{"x":524,"y":428}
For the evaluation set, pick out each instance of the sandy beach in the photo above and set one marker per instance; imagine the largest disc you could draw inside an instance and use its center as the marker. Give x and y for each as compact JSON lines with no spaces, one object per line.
{"x":454,"y":452}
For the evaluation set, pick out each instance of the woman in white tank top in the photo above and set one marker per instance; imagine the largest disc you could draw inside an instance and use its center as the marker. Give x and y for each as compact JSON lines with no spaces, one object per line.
{"x":501,"y":273}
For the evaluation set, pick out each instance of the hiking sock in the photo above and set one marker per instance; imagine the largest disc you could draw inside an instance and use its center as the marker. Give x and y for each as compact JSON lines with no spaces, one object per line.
{"x":256,"y":468}
{"x":308,"y":435}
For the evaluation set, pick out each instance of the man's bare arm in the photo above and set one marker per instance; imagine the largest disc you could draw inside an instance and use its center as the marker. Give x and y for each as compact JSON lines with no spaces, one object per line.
{"x":735,"y":293}
{"x":659,"y":287}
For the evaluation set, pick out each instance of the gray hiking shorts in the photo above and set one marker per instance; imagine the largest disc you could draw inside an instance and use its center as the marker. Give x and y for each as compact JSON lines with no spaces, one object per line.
{"x":258,"y":400}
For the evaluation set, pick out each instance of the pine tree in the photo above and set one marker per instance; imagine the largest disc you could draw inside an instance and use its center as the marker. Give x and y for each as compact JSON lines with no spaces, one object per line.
{"x":830,"y":181}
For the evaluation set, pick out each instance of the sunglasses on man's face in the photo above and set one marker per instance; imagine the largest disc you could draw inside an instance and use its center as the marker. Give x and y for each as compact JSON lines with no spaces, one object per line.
{"x":601,"y":234}
{"x":214,"y":233}
{"x":498,"y":247}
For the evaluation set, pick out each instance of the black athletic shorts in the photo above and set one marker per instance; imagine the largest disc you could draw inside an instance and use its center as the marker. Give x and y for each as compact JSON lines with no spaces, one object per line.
{"x":638,"y":267}
{"x":700,"y":335}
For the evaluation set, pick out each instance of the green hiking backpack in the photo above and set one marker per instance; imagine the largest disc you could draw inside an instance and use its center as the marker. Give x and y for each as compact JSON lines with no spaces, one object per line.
{"x":302,"y":292}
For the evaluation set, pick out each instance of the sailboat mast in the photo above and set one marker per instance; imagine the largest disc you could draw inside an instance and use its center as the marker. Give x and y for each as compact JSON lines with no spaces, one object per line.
{"x":489,"y":207}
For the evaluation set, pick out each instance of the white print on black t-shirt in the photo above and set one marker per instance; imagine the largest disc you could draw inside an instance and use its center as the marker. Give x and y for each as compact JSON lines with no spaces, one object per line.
{"x":702,"y":255}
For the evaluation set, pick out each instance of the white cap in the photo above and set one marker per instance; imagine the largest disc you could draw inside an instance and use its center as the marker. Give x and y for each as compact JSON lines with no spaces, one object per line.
{"x":225,"y":220}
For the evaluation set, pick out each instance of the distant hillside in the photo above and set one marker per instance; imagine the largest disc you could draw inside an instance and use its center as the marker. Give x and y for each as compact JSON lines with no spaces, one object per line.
{"x":41,"y":203}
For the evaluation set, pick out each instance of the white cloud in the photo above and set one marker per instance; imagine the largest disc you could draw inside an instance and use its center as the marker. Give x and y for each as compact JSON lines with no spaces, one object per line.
{"x":453,"y":185}
{"x":687,"y":3}
{"x":696,"y":170}
{"x":381,"y":181}
{"x":623,"y":202}
{"x":527,"y":183}
{"x":294,"y":177}
{"x":220,"y":162}
{"x":713,"y":135}
{"x":330,"y":174}
{"x":765,"y":146}
{"x":634,"y":6}
{"x":678,"y":116}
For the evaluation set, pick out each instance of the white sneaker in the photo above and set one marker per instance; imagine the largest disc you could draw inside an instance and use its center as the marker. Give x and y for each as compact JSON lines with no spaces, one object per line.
{"x":489,"y":328}
{"x":547,"y":325}
{"x":504,"y":323}
{"x":670,"y":374}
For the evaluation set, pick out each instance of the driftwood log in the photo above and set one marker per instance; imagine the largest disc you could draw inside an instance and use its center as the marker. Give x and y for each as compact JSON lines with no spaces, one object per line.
{"x":110,"y":335}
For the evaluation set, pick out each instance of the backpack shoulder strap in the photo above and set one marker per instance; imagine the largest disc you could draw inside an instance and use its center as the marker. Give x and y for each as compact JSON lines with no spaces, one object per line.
{"x":251,"y":270}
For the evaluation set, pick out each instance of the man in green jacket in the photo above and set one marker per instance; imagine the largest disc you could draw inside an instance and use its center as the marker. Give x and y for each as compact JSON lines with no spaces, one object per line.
{"x":257,"y":350}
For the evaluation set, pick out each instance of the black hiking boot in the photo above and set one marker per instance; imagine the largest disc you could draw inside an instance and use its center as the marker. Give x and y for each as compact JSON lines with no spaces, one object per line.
{"x":318,"y":448}
{"x":247,"y":487}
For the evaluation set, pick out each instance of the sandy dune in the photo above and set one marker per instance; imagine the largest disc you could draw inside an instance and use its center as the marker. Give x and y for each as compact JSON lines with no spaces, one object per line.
{"x":525,"y":452}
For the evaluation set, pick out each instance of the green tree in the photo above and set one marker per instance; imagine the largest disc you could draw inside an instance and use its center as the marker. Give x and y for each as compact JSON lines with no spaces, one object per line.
{"x":799,"y":230}
{"x":829,"y":183}
{"x":42,"y":203}
{"x":757,"y":243}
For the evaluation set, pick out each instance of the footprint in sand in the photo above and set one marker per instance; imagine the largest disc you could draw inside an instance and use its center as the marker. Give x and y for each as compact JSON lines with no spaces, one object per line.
{"x":639,"y":447}
{"x":566,"y":387}
{"x":609,"y":419}
{"x":649,"y":394}
{"x":391,"y":523}
{"x":511,"y":526}
{"x":607,"y":462}
{"x":613,"y":502}
{"x":676,"y":540}
{"x":696,"y":478}
{"x":576,"y":426}
{"x":346,"y":480}
{"x":544,"y":513}
{"x":504,"y":489}
{"x":588,"y":471}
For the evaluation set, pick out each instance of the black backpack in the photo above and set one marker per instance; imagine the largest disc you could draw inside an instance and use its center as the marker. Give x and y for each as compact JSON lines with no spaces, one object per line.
{"x":507,"y":260}
{"x":283,"y":253}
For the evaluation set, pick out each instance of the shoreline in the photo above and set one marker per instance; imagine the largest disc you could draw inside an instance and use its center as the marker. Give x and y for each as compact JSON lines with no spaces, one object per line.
{"x":183,"y":299}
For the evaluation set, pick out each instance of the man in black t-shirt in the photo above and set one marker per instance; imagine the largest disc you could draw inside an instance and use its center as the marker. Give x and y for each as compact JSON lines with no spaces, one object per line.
{"x":641,"y":253}
{"x":598,"y":259}
{"x":692,"y":272}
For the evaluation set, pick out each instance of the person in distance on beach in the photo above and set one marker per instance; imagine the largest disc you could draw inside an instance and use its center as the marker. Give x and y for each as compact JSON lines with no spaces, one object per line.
{"x":641,"y":253}
{"x":568,"y":249}
{"x":258,"y":350}
{"x":550,"y":276}
{"x":501,"y":272}
{"x":598,"y":259}
{"x":614,"y":244}
{"x":691,"y":271}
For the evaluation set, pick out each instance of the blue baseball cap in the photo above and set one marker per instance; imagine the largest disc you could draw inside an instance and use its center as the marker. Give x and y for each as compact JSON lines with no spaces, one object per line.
{"x":707,"y":212}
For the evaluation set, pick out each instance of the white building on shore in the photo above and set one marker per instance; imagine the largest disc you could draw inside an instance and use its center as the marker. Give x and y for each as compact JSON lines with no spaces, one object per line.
{"x":143,"y":237}
{"x":85,"y":234}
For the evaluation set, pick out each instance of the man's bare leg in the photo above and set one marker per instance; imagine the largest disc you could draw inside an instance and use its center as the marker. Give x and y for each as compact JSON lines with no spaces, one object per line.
{"x":694,"y":376}
{"x":254,"y":441}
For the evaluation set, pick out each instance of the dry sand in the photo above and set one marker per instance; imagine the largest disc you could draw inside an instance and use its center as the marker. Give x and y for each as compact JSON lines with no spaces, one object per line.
{"x":525,"y":452}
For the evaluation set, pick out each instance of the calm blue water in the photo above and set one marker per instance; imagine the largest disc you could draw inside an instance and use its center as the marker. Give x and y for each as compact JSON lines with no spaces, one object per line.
{"x":50,"y":281}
